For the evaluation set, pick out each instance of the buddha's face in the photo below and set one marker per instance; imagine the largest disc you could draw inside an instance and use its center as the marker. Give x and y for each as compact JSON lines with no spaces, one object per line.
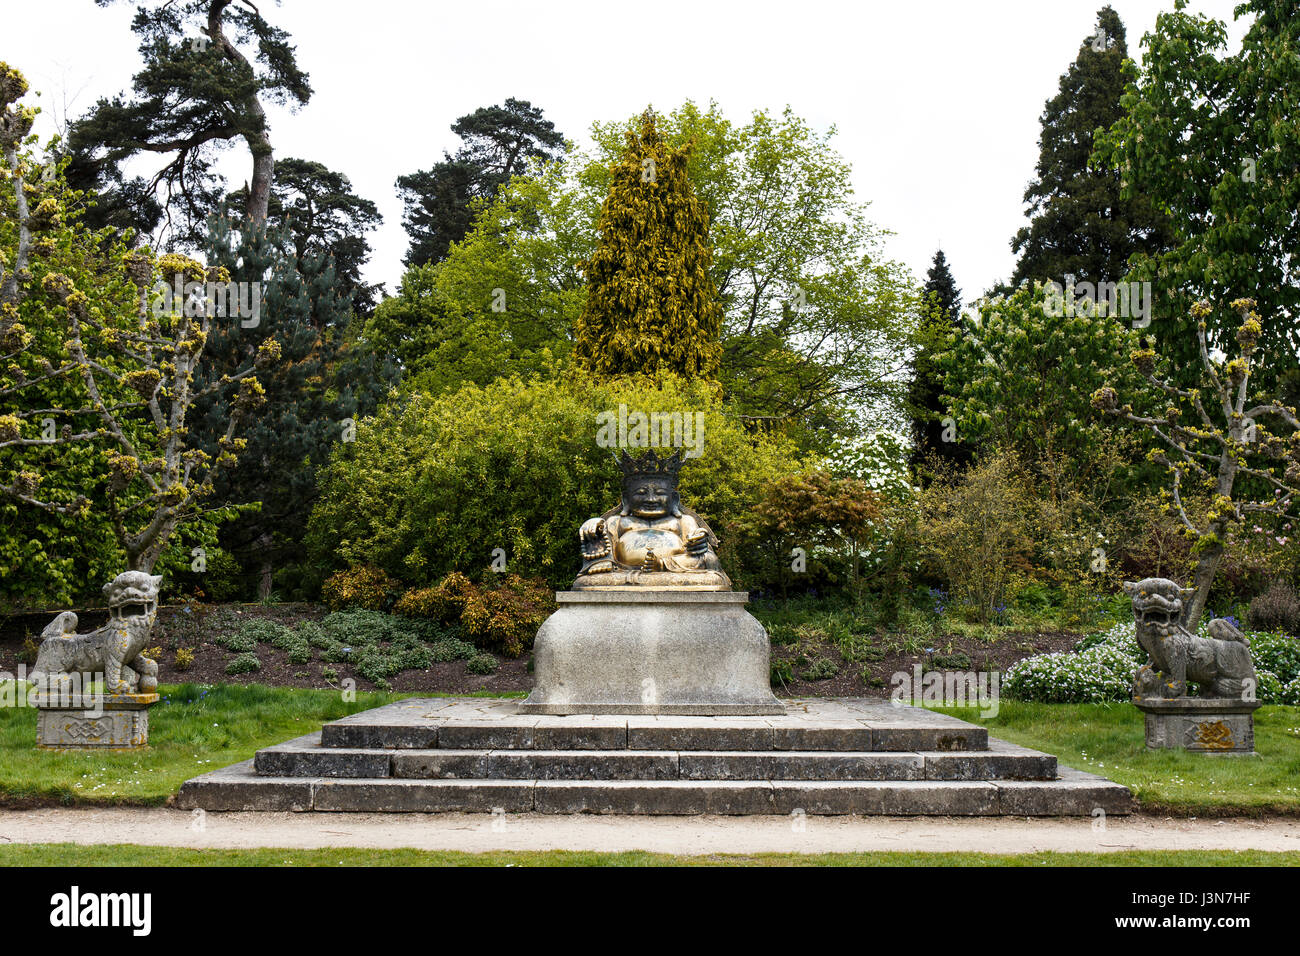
{"x":649,"y":497}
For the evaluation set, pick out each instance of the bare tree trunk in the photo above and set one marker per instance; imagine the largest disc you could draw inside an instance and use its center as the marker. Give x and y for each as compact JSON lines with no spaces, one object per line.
{"x":264,"y":582}
{"x":259,"y":142}
{"x":1207,"y":566}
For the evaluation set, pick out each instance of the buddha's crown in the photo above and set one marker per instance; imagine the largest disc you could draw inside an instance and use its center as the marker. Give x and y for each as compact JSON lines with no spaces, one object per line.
{"x":650,"y":465}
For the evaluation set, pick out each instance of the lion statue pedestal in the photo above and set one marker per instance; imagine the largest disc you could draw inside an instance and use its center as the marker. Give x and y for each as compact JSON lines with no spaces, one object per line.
{"x":1220,"y":719}
{"x":73,"y":713}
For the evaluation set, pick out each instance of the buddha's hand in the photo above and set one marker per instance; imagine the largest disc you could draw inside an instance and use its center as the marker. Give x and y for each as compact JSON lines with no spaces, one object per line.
{"x":592,"y":538}
{"x":698,"y":542}
{"x":650,"y":562}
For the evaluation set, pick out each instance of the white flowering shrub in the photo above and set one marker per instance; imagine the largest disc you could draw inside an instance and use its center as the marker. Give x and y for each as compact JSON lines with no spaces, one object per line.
{"x":879,"y":458}
{"x":1291,"y":693}
{"x":1101,"y":668}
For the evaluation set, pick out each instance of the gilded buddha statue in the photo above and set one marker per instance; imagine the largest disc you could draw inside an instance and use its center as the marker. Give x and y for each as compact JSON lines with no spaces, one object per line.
{"x":650,"y":539}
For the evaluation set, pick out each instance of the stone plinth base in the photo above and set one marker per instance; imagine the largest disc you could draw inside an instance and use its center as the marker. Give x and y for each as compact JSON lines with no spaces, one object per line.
{"x":651,"y":651}
{"x":85,"y":722}
{"x":1200,"y":724}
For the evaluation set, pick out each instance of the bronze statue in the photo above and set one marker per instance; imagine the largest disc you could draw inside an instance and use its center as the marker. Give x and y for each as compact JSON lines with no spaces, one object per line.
{"x":650,"y":539}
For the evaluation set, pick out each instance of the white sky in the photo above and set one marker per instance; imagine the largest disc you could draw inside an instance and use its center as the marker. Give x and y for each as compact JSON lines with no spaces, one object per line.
{"x":936,"y":101}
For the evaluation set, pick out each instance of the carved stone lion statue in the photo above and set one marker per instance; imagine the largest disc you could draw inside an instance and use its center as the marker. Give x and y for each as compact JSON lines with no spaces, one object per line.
{"x":1220,"y":665}
{"x":114,"y":649}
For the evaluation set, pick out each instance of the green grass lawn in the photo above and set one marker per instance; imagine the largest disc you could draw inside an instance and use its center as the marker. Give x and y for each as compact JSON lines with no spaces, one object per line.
{"x":196,"y":729}
{"x":1108,"y":739}
{"x":67,"y":854}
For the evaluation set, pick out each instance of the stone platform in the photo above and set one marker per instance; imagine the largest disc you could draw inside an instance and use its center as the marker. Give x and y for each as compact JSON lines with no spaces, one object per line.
{"x":645,"y":650}
{"x":92,"y":722}
{"x":1209,"y":725}
{"x":840,"y":756}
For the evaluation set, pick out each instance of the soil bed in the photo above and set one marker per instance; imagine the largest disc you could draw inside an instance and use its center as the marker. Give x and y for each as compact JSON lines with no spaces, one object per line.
{"x":193,"y":626}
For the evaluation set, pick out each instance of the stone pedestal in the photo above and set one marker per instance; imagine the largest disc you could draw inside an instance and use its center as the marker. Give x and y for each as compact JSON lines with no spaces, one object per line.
{"x":651,"y":651}
{"x":87,"y":722}
{"x":1199,"y":724}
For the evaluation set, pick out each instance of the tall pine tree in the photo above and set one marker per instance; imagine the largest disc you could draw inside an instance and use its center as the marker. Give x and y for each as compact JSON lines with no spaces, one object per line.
{"x":499,"y":142}
{"x":318,"y":385}
{"x":651,"y":305}
{"x":941,"y":318}
{"x":209,"y":68}
{"x":1080,"y":224}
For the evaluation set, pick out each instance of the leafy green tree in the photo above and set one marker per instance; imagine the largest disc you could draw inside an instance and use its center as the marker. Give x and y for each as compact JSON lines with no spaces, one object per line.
{"x":119,"y":373}
{"x":816,"y":319}
{"x":650,"y":305}
{"x":47,"y":555}
{"x":504,"y":302}
{"x":499,"y":143}
{"x":1019,"y":378}
{"x":197,"y":92}
{"x":1081,"y":225}
{"x":1213,"y":135}
{"x":941,"y":306}
{"x":1232,"y":445}
{"x":324,"y":218}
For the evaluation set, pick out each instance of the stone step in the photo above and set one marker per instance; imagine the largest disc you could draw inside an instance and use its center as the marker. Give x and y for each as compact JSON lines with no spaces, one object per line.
{"x":305,"y":757}
{"x":241,"y":788}
{"x":850,"y":725}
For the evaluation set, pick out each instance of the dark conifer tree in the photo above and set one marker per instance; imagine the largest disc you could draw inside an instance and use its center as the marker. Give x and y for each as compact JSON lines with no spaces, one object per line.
{"x":1080,"y":225}
{"x":941,"y":318}
{"x":499,"y":142}
{"x":314,"y":394}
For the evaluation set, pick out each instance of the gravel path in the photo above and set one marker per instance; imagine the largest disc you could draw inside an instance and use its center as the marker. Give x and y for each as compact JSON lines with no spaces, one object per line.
{"x":678,"y":835}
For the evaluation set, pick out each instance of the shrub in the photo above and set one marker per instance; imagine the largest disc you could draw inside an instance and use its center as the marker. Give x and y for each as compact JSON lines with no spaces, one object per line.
{"x":960,"y":661}
{"x":314,"y":634}
{"x":502,"y":618}
{"x":363,"y":586}
{"x":451,"y":649}
{"x":237,"y":640}
{"x":184,"y":658}
{"x":976,"y":530}
{"x":1291,"y":693}
{"x":29,"y":652}
{"x":300,"y":653}
{"x":359,"y":628}
{"x":243,"y":664}
{"x":262,"y":630}
{"x":375,"y":664}
{"x":1277,"y":609}
{"x":781,"y":673}
{"x":481,"y":664}
{"x":428,"y":477}
{"x":1278,"y":654}
{"x":821,"y":669}
{"x":832,"y":519}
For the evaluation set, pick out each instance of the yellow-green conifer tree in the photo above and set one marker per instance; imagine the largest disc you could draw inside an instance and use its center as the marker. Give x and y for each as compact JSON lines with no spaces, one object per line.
{"x":651,"y":305}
